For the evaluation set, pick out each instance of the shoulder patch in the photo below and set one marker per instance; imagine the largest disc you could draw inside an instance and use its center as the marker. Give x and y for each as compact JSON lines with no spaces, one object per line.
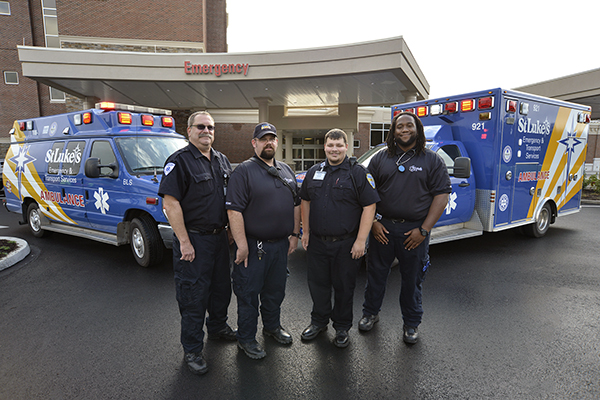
{"x":169,"y":167}
{"x":371,"y":180}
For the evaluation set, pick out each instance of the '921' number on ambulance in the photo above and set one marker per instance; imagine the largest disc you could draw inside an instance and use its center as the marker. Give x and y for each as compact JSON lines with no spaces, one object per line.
{"x":478,"y":126}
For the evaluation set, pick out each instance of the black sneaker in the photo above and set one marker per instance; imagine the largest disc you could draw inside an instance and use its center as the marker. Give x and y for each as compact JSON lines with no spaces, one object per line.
{"x":411,"y":334}
{"x":341,"y":338}
{"x":226,"y":333}
{"x":196,"y":363}
{"x":367,"y":321}
{"x":253,"y":350}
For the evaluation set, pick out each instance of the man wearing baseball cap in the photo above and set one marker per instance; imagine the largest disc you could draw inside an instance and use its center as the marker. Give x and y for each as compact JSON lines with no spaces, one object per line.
{"x":264,"y":215}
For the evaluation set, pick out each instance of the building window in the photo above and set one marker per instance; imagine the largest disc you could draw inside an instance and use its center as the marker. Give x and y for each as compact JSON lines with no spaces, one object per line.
{"x":378,"y":133}
{"x":57,"y":96}
{"x":11,"y":78}
{"x":50,"y":23}
{"x":306,"y":152}
{"x":4,"y":8}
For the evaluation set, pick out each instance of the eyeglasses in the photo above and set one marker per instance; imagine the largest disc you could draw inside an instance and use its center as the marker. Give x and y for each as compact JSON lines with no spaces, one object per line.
{"x":267,"y":139}
{"x":201,"y":127}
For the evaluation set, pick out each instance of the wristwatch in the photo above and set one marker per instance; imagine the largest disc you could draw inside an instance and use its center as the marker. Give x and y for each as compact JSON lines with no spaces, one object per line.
{"x":423,"y":231}
{"x":295,"y":235}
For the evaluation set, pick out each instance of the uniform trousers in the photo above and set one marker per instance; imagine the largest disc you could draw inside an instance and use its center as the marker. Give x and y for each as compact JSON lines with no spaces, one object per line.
{"x":413,"y":266}
{"x":330,"y":265}
{"x":260,"y":284}
{"x":202,"y":285}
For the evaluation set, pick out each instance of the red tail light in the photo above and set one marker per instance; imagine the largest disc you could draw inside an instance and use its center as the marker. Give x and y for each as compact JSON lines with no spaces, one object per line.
{"x":511,"y":106}
{"x":485,"y":103}
{"x":22,"y":126}
{"x":451,"y":108}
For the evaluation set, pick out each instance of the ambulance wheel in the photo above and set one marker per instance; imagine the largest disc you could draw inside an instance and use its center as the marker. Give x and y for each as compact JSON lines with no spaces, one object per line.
{"x":541,"y":224}
{"x":34,"y":220}
{"x":146,"y":244}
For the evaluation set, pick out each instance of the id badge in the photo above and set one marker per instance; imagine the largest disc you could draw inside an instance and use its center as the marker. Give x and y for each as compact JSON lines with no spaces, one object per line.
{"x":319,"y":175}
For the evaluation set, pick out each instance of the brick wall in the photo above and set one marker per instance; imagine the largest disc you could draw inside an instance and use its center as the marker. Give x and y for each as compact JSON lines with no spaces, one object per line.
{"x":216,"y":26}
{"x":179,"y":20}
{"x":16,"y":101}
{"x":234,"y":140}
{"x":363,"y":134}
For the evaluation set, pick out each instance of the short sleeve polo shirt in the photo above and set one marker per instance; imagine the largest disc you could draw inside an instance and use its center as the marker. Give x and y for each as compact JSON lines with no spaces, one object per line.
{"x":409,"y":194}
{"x":266,"y":203}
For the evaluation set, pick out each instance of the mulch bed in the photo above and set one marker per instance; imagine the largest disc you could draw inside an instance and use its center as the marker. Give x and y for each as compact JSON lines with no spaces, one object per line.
{"x":6,"y":246}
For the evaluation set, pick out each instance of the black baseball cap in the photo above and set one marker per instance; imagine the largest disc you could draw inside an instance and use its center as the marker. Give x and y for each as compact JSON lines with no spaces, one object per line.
{"x":264,"y":128}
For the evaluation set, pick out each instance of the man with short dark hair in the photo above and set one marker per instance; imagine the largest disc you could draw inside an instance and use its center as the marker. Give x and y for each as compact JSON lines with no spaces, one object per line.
{"x":414,"y":185}
{"x":193,"y":187}
{"x":338,"y":206}
{"x":264,"y":214}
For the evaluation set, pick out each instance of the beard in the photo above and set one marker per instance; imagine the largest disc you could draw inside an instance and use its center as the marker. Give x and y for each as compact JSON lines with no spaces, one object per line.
{"x":407,"y":143}
{"x":267,"y":153}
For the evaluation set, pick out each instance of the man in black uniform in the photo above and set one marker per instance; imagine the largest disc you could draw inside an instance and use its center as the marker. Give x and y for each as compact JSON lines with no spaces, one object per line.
{"x":338,"y":206}
{"x":193,"y":187}
{"x":414,"y":185}
{"x":264,"y":215}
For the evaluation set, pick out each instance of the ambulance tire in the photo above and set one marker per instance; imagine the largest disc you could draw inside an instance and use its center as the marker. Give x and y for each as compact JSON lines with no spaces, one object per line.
{"x":34,"y":221}
{"x":146,"y":244}
{"x":541,"y":224}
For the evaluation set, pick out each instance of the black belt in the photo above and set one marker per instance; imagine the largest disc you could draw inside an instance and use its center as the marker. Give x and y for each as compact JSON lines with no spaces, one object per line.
{"x":335,"y":238}
{"x":398,"y":220}
{"x":266,"y":241}
{"x":213,"y":232}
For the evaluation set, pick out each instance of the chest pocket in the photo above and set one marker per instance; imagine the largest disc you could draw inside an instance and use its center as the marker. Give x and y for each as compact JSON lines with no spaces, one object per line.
{"x":314,"y":189}
{"x":343,"y":189}
{"x":204,"y":184}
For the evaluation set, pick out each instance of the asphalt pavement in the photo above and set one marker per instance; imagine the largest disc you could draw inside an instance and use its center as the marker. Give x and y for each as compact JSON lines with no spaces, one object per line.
{"x":506,"y":317}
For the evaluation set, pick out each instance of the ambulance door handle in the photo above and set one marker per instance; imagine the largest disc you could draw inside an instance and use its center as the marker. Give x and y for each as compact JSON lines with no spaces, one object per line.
{"x":87,"y":195}
{"x":464,"y":184}
{"x":63,"y":193}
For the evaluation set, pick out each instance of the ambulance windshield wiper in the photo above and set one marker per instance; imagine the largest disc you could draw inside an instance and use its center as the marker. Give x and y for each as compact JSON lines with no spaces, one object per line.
{"x":150,"y":168}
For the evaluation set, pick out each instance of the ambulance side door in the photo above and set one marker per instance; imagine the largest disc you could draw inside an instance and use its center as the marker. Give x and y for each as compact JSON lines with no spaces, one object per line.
{"x":461,"y":201}
{"x":103,"y":201}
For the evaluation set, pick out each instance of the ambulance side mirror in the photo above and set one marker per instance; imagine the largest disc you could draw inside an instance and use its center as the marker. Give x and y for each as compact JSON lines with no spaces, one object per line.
{"x":462,"y":167}
{"x":93,"y":168}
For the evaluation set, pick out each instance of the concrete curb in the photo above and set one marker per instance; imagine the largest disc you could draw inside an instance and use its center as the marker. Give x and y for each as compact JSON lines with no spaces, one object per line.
{"x":590,"y":202}
{"x":16,"y":255}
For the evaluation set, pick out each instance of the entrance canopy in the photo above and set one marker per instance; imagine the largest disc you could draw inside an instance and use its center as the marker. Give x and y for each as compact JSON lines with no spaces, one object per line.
{"x":582,"y":88}
{"x":378,"y":73}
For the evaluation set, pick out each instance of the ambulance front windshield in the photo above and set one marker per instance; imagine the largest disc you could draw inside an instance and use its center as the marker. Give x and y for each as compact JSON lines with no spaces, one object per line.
{"x":147,"y":155}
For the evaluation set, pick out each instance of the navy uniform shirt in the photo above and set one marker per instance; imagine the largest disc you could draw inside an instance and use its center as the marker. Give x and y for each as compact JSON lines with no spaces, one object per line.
{"x":266,"y":203}
{"x":335,"y":207}
{"x":409,"y":194}
{"x":198,"y":184}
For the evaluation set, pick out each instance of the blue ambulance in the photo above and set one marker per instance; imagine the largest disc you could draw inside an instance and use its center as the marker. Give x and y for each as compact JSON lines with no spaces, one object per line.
{"x":94,"y":174}
{"x":515,"y":159}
